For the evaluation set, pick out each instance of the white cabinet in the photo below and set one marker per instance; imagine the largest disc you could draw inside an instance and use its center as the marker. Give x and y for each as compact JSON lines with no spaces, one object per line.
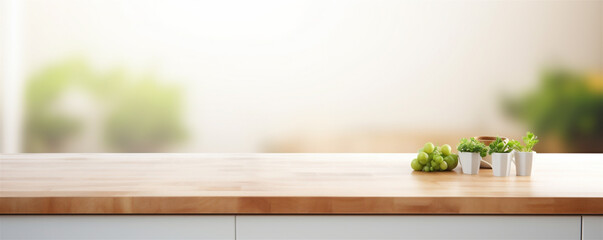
{"x":408,"y":227}
{"x":247,"y":227}
{"x":592,"y":227}
{"x":116,"y":227}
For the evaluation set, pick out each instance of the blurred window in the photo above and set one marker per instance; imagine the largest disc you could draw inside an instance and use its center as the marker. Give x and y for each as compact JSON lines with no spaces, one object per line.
{"x":285,"y":76}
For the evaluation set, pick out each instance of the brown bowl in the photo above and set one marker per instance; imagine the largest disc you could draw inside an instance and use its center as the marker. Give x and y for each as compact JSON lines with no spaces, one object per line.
{"x":487,"y":140}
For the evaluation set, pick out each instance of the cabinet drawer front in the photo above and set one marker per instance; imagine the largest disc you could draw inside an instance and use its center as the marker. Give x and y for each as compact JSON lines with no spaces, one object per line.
{"x":592,"y":227}
{"x":116,"y":227}
{"x":408,"y":227}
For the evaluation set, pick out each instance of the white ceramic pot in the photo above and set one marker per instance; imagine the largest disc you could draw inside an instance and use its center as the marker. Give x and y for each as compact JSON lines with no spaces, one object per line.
{"x":486,"y":140}
{"x":523,"y":163}
{"x":470,"y":162}
{"x":501,"y":164}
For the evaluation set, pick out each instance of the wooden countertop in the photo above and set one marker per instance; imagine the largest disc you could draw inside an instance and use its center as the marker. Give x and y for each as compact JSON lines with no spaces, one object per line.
{"x":289,"y":184}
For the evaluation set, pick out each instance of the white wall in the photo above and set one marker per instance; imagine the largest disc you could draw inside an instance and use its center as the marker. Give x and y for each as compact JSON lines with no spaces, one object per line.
{"x":261,"y":70}
{"x":11,"y":75}
{"x":2,"y":22}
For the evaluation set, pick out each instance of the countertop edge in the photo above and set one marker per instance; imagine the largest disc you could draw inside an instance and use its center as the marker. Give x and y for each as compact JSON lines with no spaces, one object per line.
{"x":124,"y":205}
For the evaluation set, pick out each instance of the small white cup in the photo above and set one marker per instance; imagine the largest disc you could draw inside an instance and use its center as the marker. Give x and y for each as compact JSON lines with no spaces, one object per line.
{"x":501,"y":164}
{"x":523,"y":163}
{"x":470,"y":162}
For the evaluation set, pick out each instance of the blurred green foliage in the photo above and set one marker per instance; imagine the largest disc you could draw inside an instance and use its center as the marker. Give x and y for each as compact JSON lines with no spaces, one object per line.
{"x":145,"y":119}
{"x":566,"y":104}
{"x":141,"y":114}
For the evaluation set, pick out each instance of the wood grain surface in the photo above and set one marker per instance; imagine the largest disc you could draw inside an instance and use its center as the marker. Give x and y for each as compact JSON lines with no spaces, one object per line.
{"x":289,"y":184}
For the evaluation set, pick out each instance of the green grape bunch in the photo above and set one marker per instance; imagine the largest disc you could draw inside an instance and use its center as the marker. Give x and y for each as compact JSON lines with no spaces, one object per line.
{"x":431,"y":158}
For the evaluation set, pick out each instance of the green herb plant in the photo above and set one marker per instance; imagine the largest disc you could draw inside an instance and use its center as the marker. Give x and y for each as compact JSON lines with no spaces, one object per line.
{"x":529,"y":141}
{"x":500,"y":146}
{"x":472,"y":145}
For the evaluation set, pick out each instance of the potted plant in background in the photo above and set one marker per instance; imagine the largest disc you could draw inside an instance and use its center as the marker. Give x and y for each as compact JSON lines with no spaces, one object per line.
{"x":486,"y":140}
{"x":565,"y":109}
{"x":524,"y":155}
{"x":471,"y":153}
{"x":501,"y":156}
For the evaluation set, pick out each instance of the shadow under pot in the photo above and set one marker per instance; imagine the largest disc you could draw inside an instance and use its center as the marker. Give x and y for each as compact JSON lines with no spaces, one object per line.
{"x":523,"y":163}
{"x":487,"y":140}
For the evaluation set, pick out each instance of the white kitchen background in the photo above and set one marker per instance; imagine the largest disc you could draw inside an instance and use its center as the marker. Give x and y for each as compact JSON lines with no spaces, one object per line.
{"x":295,"y":76}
